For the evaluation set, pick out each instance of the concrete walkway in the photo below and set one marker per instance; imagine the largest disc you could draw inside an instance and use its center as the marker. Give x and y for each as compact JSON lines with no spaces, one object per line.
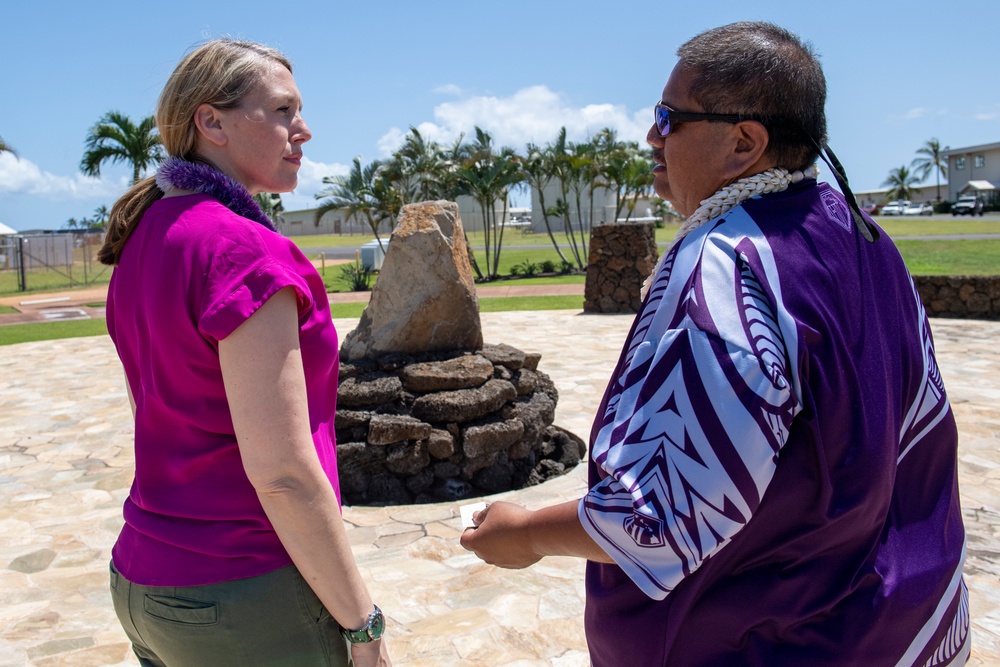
{"x":66,"y":466}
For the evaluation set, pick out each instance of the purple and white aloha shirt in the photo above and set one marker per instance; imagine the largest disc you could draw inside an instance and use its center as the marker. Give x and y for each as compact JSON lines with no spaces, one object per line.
{"x":774,"y":464}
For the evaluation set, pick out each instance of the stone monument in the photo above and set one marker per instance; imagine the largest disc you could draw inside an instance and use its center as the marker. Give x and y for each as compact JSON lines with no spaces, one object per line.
{"x":425,"y":411}
{"x":622,"y":255}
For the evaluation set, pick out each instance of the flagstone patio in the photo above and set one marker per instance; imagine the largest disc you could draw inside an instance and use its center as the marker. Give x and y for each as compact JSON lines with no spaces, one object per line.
{"x":66,"y":466}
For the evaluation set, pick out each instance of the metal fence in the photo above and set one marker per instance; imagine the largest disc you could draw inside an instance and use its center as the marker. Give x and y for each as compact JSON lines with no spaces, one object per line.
{"x":51,"y":261}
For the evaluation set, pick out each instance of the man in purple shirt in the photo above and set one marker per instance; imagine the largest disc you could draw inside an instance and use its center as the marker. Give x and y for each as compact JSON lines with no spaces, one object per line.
{"x":773,"y":468}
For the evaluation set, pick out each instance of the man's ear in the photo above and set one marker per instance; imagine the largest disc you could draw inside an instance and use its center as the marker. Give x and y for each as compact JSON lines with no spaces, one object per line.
{"x":750,"y":145}
{"x":208,"y":120}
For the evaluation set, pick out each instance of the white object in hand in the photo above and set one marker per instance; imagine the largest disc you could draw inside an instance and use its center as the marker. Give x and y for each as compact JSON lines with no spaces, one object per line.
{"x":468,"y":511}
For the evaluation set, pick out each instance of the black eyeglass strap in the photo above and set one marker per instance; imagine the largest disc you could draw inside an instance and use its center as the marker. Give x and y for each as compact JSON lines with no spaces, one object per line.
{"x":868,"y":230}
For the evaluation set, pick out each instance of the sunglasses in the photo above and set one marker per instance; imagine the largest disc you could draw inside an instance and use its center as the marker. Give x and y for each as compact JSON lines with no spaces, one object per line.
{"x":666,"y":118}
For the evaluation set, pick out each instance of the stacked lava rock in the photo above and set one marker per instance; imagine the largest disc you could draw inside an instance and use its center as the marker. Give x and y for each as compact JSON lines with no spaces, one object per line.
{"x":437,"y":426}
{"x":425,"y":412}
{"x":621,"y":257}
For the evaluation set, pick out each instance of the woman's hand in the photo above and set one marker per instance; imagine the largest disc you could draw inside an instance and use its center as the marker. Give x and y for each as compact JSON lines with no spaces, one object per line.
{"x":372,"y":654}
{"x":501,"y":536}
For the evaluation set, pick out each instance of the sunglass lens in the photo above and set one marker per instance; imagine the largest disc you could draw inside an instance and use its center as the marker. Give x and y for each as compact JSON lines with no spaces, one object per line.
{"x":662,"y":121}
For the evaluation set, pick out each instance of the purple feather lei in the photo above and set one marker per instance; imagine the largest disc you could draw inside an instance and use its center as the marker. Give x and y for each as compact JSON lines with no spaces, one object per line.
{"x":175,"y":173}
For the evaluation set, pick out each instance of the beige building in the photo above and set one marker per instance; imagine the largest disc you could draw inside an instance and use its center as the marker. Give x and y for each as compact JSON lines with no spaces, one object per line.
{"x":974,"y":169}
{"x":303,"y":223}
{"x":921,"y":193}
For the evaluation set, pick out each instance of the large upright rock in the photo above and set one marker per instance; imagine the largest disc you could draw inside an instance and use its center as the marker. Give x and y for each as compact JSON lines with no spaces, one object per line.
{"x":424,"y":299}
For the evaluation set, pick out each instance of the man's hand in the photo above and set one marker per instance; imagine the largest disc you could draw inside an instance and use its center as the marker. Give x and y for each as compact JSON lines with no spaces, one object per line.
{"x":502,"y":537}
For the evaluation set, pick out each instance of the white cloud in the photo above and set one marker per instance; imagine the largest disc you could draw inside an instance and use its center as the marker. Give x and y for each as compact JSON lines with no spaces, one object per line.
{"x":987,"y":115}
{"x":390,"y":141}
{"x":22,"y":176}
{"x":448,"y":89}
{"x":915,"y":113}
{"x":311,"y":175}
{"x":532,"y":114}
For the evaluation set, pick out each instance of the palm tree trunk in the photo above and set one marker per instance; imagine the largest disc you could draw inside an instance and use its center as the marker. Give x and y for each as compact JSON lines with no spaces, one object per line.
{"x":548,"y":227}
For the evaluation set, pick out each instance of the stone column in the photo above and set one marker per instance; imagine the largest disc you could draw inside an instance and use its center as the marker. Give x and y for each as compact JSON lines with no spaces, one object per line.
{"x":622,"y":255}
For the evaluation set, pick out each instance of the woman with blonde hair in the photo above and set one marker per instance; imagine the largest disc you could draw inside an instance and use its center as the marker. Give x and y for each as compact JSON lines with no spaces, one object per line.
{"x":233,"y":550}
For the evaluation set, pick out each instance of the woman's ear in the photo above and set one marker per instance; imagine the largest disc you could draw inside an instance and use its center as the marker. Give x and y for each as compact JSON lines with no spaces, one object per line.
{"x":750,"y":145}
{"x":208,"y":120}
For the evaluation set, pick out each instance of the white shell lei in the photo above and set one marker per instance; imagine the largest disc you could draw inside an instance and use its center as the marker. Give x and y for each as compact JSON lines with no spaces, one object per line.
{"x":728,"y":198}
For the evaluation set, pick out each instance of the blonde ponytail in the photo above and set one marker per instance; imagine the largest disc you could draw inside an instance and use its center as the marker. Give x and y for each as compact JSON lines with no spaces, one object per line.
{"x":124,"y":218}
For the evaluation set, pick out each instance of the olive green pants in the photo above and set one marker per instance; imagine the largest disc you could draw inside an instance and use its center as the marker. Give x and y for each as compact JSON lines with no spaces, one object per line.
{"x":271,"y":620}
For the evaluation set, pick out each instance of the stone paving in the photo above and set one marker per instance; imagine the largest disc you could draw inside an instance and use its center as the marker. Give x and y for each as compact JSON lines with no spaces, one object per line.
{"x":66,"y":466}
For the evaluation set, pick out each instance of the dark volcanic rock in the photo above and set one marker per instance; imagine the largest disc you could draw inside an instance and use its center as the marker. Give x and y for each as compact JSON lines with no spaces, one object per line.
{"x":387,"y":429}
{"x":464,"y":404}
{"x":368,"y":390}
{"x":504,"y":355}
{"x":460,"y":373}
{"x":493,"y":436}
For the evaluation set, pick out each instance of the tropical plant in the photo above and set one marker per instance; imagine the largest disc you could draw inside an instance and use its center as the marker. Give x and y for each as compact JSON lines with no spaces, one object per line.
{"x":900,"y":182}
{"x":115,"y":138}
{"x":6,"y":148}
{"x":357,"y":276}
{"x":568,"y":166}
{"x":930,"y":158}
{"x":488,"y":174}
{"x":416,"y":169}
{"x":100,"y":219}
{"x":527,"y":268}
{"x":354,"y":193}
{"x":537,"y":168}
{"x":270,"y":203}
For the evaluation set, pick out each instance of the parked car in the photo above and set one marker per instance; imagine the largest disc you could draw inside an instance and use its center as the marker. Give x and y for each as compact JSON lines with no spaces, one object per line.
{"x":918,"y":209}
{"x":895,"y":207}
{"x":967,"y":205}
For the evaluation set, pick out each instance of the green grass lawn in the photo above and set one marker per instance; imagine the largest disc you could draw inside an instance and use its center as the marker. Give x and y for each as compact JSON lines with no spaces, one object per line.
{"x":488,"y":305}
{"x":946,"y":257}
{"x":899,"y":228}
{"x":951,"y":258}
{"x":35,"y":331}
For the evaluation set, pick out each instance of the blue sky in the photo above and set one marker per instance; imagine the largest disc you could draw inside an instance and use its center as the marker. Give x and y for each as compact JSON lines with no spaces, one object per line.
{"x":898,"y":74}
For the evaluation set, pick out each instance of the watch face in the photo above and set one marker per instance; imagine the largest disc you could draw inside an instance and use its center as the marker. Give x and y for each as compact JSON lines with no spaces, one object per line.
{"x":377,"y":624}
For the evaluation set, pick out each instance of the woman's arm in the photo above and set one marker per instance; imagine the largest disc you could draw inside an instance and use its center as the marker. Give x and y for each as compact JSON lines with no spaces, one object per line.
{"x":265,"y":385}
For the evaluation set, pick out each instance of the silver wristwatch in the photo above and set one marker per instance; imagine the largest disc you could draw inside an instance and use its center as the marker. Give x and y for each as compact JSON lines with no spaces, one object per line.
{"x":370,"y":631}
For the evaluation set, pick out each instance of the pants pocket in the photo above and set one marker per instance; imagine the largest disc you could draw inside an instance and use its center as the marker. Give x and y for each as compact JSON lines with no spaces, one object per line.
{"x":114,"y":576}
{"x":181,"y":610}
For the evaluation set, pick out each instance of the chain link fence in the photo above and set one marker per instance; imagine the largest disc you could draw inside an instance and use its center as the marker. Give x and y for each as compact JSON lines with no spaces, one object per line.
{"x":31,"y":262}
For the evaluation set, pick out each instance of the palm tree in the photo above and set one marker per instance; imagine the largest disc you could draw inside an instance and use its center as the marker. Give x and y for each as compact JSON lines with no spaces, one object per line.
{"x":538,"y":175}
{"x":271,"y":204}
{"x":6,"y":148}
{"x":488,"y":175}
{"x":100,"y":219}
{"x":900,"y":182}
{"x":115,"y":138}
{"x":931,"y":159}
{"x":355,"y":193}
{"x":416,"y":168}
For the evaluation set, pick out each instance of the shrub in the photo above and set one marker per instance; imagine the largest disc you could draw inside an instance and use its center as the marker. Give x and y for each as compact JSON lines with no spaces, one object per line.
{"x":357,"y":277}
{"x":526,"y":268}
{"x":565,"y":267}
{"x":548,"y":266}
